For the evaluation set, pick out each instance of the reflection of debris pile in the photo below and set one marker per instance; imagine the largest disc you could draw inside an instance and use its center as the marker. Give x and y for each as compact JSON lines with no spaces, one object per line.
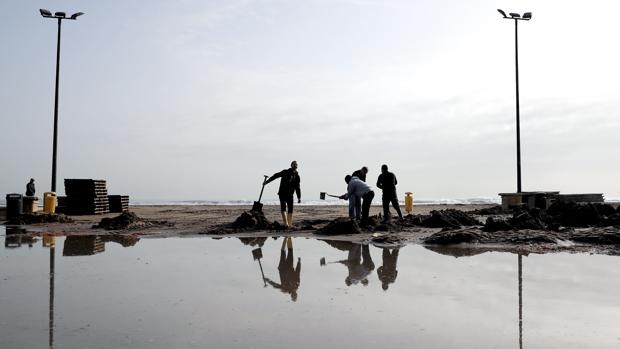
{"x":34,"y":218}
{"x":253,"y":241}
{"x":122,"y":239}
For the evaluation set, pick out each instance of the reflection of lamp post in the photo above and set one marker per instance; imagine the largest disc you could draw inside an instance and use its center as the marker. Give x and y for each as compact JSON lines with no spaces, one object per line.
{"x":50,"y":241}
{"x":520,"y":304}
{"x":60,"y":16}
{"x":517,"y":17}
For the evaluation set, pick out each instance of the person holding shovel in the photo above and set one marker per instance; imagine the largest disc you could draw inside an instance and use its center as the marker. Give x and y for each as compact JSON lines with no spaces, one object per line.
{"x":289,"y":185}
{"x":357,"y":188}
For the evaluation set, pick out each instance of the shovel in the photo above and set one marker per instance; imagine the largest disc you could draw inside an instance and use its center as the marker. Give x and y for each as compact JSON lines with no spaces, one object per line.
{"x":258,"y":254}
{"x":258,"y":207}
{"x":323,"y":194}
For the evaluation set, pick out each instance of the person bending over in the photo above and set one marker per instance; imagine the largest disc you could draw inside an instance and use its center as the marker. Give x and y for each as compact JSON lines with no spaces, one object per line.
{"x":357,"y":188}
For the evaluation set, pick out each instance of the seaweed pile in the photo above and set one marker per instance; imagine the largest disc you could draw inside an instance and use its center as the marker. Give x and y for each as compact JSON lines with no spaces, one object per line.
{"x":126,"y":220}
{"x":36,"y":218}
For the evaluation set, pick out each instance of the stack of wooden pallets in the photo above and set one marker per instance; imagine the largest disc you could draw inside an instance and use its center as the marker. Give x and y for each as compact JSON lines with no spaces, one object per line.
{"x":83,"y":245}
{"x":119,"y":203}
{"x":86,"y":197}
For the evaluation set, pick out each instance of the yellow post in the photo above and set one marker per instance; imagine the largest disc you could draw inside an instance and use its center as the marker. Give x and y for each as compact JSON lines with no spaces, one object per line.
{"x":409,"y":202}
{"x":49,"y":202}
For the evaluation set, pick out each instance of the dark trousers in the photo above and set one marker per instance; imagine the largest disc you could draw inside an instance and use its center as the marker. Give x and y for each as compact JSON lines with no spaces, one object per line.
{"x":286,"y":200}
{"x":366,"y":201}
{"x":387,"y":200}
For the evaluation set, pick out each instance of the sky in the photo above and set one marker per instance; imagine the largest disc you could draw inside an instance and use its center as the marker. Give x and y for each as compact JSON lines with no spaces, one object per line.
{"x":197,"y":100}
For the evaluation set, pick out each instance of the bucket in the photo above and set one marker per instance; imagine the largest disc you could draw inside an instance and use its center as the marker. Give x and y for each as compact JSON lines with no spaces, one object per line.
{"x":409,"y":202}
{"x":49,"y":202}
{"x":323,"y":195}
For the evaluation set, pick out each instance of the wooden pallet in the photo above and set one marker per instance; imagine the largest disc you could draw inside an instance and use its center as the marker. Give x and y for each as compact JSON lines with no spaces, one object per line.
{"x":119,"y":203}
{"x":86,"y":187}
{"x":82,"y":246}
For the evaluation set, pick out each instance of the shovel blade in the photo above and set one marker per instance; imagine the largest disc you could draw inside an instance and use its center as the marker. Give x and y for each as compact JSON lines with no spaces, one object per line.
{"x":257,"y":207}
{"x":257,"y":253}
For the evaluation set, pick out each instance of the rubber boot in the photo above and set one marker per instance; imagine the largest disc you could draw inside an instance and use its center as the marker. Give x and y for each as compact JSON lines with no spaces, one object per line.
{"x":289,"y":243}
{"x":284,"y":219}
{"x":289,"y":218}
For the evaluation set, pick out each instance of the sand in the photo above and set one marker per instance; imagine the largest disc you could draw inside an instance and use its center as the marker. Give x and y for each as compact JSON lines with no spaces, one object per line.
{"x":178,"y":220}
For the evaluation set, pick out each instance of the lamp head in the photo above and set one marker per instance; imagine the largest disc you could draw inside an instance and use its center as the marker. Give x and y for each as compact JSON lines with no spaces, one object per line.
{"x":76,"y":15}
{"x":515,"y":15}
{"x":502,"y":12}
{"x":45,"y":13}
{"x":527,"y":15}
{"x":59,"y":15}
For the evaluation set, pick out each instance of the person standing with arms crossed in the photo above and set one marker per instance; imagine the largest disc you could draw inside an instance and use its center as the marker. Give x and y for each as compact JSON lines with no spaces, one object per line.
{"x":387,"y":182}
{"x":289,"y":185}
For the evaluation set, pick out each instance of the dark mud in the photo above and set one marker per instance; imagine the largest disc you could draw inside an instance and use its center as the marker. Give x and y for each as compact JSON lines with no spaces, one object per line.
{"x":127,"y":221}
{"x":38,"y":218}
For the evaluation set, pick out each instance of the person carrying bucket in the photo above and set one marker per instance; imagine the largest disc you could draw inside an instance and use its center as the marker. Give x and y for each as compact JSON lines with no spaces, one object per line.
{"x":289,"y":185}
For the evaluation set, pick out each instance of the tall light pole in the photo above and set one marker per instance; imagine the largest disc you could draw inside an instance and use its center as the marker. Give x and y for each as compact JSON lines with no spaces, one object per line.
{"x":517,"y":17}
{"x":59,"y":16}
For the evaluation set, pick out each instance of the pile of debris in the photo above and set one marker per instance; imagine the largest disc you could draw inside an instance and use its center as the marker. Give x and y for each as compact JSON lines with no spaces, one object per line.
{"x":247,"y":221}
{"x":340,"y":226}
{"x":126,"y":220}
{"x":35,"y":218}
{"x":558,"y":215}
{"x":450,"y":237}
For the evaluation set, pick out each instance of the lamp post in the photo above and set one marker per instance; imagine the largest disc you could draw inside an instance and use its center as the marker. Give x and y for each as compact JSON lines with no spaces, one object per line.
{"x":517,"y":17}
{"x":59,"y":16}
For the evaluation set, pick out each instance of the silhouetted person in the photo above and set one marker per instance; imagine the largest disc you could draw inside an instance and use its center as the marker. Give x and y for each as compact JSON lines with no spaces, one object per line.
{"x":361,"y":173}
{"x":289,"y":275}
{"x":387,"y":272}
{"x":387,"y":182}
{"x":357,"y":188}
{"x":357,"y":207}
{"x":360,"y":265}
{"x":30,"y":190}
{"x":289,"y":185}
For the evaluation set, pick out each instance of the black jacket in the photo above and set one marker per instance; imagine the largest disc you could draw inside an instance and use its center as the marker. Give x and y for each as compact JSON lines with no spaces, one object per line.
{"x":289,"y":182}
{"x":30,"y":191}
{"x":359,"y":174}
{"x":387,"y":182}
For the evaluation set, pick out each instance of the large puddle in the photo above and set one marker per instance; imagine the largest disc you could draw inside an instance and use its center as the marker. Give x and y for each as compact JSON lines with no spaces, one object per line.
{"x":206,"y":293}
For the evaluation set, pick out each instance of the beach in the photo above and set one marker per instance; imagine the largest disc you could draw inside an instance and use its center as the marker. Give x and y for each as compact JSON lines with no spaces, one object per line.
{"x":177,"y":220}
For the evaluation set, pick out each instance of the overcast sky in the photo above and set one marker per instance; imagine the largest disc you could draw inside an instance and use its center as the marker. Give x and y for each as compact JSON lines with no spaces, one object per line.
{"x":198,"y":99}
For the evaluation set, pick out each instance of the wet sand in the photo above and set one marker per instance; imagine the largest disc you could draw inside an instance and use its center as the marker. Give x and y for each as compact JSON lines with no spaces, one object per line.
{"x":205,"y":220}
{"x":200,"y":219}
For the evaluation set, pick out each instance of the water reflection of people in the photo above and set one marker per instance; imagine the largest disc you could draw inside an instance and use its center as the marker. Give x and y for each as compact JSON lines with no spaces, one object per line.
{"x":359,"y":262}
{"x":360,"y":265}
{"x":289,"y":275}
{"x":387,"y":272}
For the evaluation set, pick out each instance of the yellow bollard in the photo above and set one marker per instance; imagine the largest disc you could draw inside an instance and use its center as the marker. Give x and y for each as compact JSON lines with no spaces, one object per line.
{"x":49,"y":241}
{"x":409,"y":202}
{"x":49,"y":202}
